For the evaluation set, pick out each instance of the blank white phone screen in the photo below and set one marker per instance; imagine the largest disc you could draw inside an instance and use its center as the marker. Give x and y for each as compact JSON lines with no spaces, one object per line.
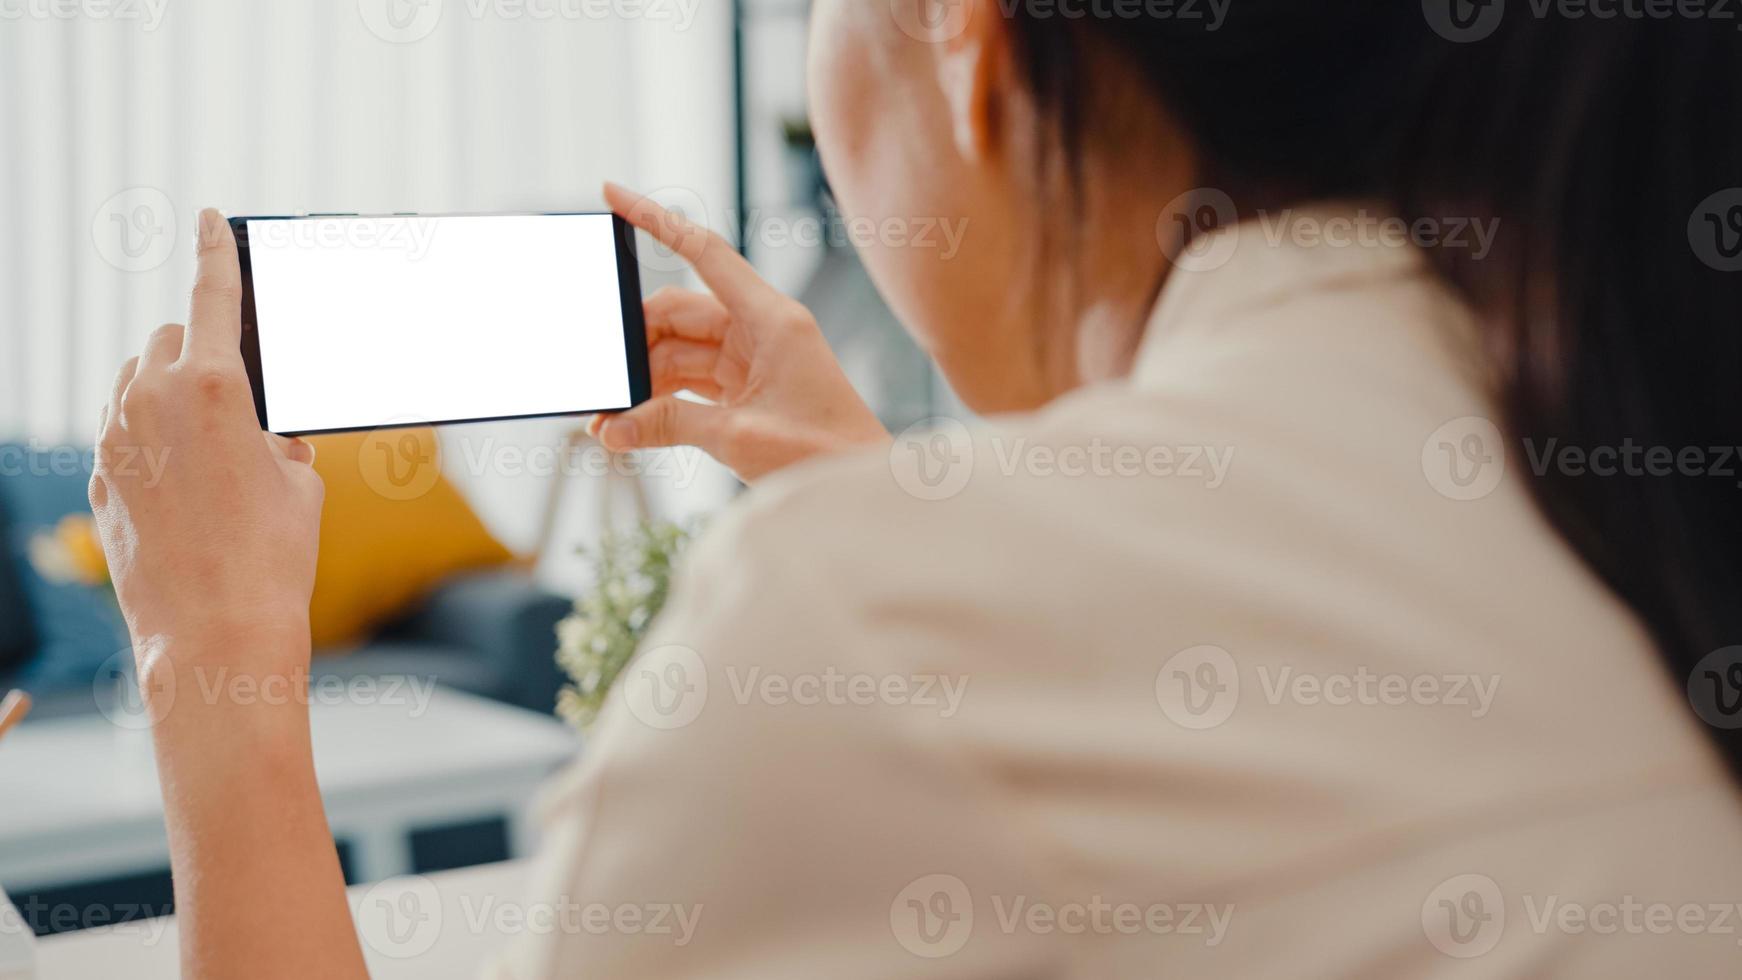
{"x":367,"y":322}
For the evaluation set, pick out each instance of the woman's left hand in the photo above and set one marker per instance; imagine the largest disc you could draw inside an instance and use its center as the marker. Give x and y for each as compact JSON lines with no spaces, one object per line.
{"x":210,"y":525}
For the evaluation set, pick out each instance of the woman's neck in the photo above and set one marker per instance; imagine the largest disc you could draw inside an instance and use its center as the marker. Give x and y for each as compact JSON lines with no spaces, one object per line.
{"x":1109,"y":287}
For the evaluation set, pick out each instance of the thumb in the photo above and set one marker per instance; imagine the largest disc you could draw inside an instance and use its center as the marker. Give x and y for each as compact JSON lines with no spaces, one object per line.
{"x":294,"y":450}
{"x":665,"y":421}
{"x":295,"y":459}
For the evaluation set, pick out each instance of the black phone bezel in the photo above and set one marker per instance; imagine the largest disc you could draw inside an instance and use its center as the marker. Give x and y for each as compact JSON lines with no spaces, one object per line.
{"x":628,"y":285}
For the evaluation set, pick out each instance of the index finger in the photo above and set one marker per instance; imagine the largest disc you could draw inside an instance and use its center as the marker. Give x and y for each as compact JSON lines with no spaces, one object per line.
{"x":214,"y":329}
{"x":733,"y":280}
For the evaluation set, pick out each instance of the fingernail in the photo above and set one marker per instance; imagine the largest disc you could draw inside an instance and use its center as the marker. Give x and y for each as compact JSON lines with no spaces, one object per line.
{"x":618,"y":433}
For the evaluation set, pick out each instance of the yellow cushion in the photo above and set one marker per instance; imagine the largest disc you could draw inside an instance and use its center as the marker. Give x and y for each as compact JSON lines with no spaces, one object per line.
{"x":393,"y":528}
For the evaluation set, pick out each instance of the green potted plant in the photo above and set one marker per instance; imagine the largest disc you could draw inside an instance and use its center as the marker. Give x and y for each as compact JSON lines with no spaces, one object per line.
{"x":632,"y":577}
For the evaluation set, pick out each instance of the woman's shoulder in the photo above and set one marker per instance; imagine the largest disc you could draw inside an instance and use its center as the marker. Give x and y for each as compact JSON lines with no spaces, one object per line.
{"x":1137,"y":533}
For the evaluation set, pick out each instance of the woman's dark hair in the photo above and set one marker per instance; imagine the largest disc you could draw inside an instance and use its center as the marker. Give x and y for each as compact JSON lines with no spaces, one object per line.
{"x":1612,"y":300}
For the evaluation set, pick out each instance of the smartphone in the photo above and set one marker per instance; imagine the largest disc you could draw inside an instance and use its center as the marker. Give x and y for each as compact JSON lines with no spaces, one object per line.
{"x":357,"y":322}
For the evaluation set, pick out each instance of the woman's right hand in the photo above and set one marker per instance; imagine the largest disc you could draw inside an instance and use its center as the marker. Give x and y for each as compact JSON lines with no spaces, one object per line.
{"x":779,"y":395}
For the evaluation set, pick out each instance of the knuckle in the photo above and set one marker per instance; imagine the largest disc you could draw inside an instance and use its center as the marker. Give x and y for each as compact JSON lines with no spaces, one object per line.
{"x":705,"y":240}
{"x":737,"y":437}
{"x":793,"y":315}
{"x":139,"y":396}
{"x":212,"y":382}
{"x":214,"y":288}
{"x":665,"y":421}
{"x":97,"y":492}
{"x":167,"y":331}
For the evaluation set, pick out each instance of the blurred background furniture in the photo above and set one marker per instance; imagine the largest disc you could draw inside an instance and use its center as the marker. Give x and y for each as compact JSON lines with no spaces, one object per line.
{"x":80,"y":818}
{"x":490,"y":632}
{"x":17,"y":944}
{"x":401,"y":923}
{"x":393,"y":759}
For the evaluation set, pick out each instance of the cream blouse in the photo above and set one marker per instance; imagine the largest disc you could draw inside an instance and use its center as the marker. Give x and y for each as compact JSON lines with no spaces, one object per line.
{"x":1258,"y":664}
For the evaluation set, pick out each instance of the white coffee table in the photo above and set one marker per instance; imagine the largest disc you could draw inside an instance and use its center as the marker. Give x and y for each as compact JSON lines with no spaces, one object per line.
{"x":442,"y":944}
{"x":79,"y":799}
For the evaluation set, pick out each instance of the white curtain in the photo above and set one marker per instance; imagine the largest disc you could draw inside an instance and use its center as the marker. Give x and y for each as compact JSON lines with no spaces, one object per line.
{"x":120,"y":118}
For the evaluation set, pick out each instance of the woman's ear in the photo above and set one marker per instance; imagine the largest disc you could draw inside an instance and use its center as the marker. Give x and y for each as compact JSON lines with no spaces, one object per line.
{"x":970,"y":65}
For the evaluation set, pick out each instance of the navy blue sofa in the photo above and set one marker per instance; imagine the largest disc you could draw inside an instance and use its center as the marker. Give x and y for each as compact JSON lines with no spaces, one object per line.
{"x":491,"y":633}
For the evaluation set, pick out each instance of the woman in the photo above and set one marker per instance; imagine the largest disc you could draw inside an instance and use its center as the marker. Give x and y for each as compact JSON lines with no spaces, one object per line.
{"x":1241,"y":643}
